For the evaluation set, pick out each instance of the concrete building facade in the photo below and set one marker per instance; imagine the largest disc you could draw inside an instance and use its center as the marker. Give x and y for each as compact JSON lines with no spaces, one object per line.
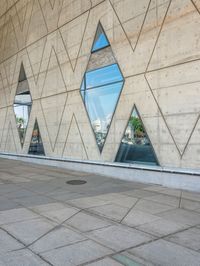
{"x":155,"y":43}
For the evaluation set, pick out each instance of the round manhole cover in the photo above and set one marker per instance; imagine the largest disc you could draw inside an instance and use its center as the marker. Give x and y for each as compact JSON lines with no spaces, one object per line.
{"x":76,"y":182}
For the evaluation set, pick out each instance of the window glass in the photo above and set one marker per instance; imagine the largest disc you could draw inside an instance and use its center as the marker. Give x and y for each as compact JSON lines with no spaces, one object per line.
{"x":103,"y":76}
{"x":22,"y":105}
{"x":36,"y":145}
{"x":100,"y":104}
{"x":101,"y":87}
{"x":100,"y":40}
{"x":135,"y":146}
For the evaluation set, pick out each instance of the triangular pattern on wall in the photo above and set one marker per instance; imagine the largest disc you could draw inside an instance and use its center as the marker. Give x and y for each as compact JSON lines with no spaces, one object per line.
{"x":2,"y":93}
{"x":74,"y":145}
{"x":53,"y":82}
{"x":36,"y":146}
{"x":53,"y":108}
{"x":135,"y":146}
{"x":73,"y":39}
{"x":101,"y":86}
{"x":10,"y":145}
{"x":52,"y":3}
{"x":21,"y":10}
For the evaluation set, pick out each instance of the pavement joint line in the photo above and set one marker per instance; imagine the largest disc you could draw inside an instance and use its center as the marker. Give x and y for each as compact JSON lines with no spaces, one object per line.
{"x":21,"y":242}
{"x":102,"y":217}
{"x":180,"y":199}
{"x":129,"y":211}
{"x":51,"y":230}
{"x":179,"y":244}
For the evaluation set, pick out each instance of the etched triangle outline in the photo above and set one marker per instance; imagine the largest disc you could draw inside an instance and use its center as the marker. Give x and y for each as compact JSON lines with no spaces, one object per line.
{"x":10,"y":23}
{"x":154,"y":156}
{"x":180,"y":151}
{"x":73,"y":118}
{"x":73,"y":66}
{"x":52,"y":4}
{"x":24,"y":17}
{"x":141,"y":27}
{"x":11,"y":135}
{"x":3,"y":126}
{"x":162,"y":29}
{"x":3,"y":88}
{"x":53,"y":145}
{"x":47,"y":69}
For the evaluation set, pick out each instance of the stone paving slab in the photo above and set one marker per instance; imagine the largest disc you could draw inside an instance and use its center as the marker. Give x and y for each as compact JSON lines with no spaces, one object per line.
{"x":21,"y":258}
{"x":151,"y":206}
{"x":85,"y":222}
{"x":188,"y":238}
{"x":136,"y":217}
{"x":8,"y":243}
{"x":162,"y":227}
{"x":87,"y":202}
{"x":61,"y":215}
{"x":59,"y":237}
{"x":164,"y":253}
{"x":16,"y":215}
{"x":30,"y":230}
{"x":44,"y":221}
{"x":111,"y":211}
{"x":76,"y":254}
{"x":165,"y":199}
{"x":181,"y":216}
{"x":105,"y":262}
{"x":111,"y":237}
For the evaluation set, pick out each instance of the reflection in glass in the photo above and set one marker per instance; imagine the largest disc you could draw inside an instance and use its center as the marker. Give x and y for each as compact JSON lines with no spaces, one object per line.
{"x":22,"y":105}
{"x":135,"y":146}
{"x":100,"y":40}
{"x":100,"y":104}
{"x":102,"y":76}
{"x":101,"y":87}
{"x":100,"y":91}
{"x":36,"y":145}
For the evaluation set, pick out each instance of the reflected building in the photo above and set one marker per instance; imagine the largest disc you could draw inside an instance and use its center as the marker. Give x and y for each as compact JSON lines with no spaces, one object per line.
{"x":135,"y":146}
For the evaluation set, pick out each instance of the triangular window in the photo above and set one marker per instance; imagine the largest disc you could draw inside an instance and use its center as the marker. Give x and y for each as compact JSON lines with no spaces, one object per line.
{"x":36,"y":145}
{"x":22,"y":74}
{"x":22,"y":104}
{"x":135,"y":146}
{"x":100,"y":40}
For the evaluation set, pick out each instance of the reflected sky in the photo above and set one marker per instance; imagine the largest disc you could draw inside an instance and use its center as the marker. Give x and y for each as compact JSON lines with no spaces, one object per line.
{"x":101,"y":101}
{"x":102,"y":76}
{"x":101,"y":40}
{"x":22,"y":111}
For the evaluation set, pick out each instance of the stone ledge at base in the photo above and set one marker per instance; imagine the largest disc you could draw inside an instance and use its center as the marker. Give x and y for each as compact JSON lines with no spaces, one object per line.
{"x":168,"y":177}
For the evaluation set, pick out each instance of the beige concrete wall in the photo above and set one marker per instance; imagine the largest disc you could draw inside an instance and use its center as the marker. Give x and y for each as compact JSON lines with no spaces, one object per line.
{"x":157,"y":46}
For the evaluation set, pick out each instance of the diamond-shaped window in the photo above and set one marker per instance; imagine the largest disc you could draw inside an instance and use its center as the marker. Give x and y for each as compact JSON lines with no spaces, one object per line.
{"x":22,"y":104}
{"x":135,"y":145}
{"x":101,"y":86}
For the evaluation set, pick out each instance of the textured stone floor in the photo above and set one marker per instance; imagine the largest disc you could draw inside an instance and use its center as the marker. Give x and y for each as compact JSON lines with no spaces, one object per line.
{"x":108,"y":222}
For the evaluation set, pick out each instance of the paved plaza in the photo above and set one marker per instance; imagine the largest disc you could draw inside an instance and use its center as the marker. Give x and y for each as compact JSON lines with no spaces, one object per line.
{"x":104,"y":222}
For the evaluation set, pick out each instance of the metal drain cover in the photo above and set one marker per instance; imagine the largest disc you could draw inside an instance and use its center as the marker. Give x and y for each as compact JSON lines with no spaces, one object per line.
{"x":76,"y":182}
